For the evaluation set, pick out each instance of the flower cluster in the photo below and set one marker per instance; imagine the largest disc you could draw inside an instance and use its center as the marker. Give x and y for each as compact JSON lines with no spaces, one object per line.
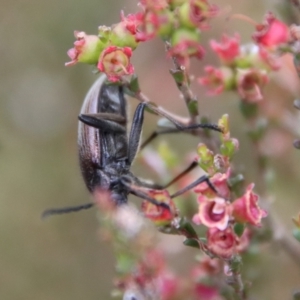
{"x":245,"y":68}
{"x":218,"y":208}
{"x":179,"y":22}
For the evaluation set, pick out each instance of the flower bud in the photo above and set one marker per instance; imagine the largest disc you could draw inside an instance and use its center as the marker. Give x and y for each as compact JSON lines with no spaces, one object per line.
{"x":104,"y":34}
{"x":206,"y":158}
{"x":87,"y":49}
{"x":223,"y":123}
{"x":229,"y":147}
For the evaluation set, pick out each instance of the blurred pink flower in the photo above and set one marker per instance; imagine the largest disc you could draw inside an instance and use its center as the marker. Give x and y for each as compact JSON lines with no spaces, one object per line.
{"x":228,"y":49}
{"x":271,"y":32}
{"x":250,"y":83}
{"x":222,"y":242}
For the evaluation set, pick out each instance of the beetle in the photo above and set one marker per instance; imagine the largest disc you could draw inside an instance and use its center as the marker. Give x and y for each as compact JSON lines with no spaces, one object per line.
{"x":106,"y":152}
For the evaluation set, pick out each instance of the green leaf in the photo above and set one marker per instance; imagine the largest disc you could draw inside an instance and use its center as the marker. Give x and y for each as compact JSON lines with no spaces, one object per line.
{"x":178,"y":76}
{"x":188,"y":229}
{"x":296,"y":295}
{"x":149,"y":110}
{"x":249,"y":110}
{"x":193,"y":107}
{"x":134,"y":84}
{"x":191,"y":243}
{"x":239,"y":229}
{"x":296,"y":234}
{"x":228,"y":148}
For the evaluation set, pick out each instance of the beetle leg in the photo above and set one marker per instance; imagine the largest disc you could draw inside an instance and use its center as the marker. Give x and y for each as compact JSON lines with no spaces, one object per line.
{"x":105,"y":121}
{"x":135,"y":132}
{"x":179,"y":125}
{"x":64,"y":210}
{"x":156,"y":133}
{"x":137,"y":190}
{"x":191,"y":167}
{"x":201,"y":179}
{"x":147,"y":184}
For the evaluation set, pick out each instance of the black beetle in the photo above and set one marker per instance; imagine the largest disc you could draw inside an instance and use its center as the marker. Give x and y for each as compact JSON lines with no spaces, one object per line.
{"x":106,"y":152}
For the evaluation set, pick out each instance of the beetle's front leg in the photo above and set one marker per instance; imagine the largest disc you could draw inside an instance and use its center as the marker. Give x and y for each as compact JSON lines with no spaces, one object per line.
{"x":107,"y":122}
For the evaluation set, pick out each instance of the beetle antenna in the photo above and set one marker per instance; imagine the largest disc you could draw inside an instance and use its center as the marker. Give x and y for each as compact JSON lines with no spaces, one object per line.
{"x":65,"y":210}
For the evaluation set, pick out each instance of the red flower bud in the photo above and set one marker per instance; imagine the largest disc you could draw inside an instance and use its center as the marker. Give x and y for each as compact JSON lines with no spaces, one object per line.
{"x":115,"y":62}
{"x":246,"y":209}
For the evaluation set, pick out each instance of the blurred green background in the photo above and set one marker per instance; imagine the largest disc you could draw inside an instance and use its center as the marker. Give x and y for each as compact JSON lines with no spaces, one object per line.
{"x":63,"y":257}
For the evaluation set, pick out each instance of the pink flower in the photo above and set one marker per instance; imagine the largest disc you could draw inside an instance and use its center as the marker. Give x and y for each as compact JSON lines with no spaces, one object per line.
{"x":87,"y":49}
{"x":158,"y":214}
{"x":115,"y":62}
{"x":167,"y":285}
{"x":124,"y":33}
{"x":155,"y":5}
{"x":216,"y":80}
{"x":206,"y":267}
{"x":246,"y":209}
{"x":219,"y":181}
{"x":250,"y":83}
{"x":228,"y":49}
{"x":222,"y":243}
{"x":201,"y":11}
{"x":213,"y":213}
{"x":269,"y":59}
{"x":150,"y":24}
{"x":272,"y":32}
{"x":207,"y":292}
{"x":132,"y":21}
